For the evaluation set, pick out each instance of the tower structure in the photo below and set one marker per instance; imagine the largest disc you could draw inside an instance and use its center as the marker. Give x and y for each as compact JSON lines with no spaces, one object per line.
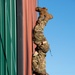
{"x":17,"y":18}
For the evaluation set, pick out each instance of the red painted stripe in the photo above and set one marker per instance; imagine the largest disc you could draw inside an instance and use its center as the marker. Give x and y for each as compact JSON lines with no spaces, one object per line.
{"x":28,"y":13}
{"x":24,"y":37}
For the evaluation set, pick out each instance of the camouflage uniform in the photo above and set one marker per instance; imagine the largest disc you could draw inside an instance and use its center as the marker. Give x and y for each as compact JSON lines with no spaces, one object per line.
{"x":39,"y":61}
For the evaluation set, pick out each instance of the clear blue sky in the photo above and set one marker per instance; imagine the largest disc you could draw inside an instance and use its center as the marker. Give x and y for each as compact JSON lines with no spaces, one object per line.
{"x":60,"y":33}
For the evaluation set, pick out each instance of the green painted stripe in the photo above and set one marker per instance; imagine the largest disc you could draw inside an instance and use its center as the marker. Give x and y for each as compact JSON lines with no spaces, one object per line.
{"x":2,"y":60}
{"x":8,"y":49}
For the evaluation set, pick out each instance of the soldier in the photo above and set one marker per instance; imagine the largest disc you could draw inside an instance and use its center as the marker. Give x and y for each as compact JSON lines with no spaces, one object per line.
{"x":42,"y":46}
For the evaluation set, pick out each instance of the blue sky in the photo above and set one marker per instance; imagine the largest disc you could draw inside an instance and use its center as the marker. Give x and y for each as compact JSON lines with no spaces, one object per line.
{"x":60,"y":33}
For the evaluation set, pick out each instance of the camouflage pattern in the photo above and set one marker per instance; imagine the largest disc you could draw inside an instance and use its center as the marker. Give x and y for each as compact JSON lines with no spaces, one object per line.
{"x":39,"y":63}
{"x":42,"y":46}
{"x":40,"y":26}
{"x":39,"y":37}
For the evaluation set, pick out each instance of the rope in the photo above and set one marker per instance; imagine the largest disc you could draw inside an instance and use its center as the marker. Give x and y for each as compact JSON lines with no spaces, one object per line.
{"x":50,"y":52}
